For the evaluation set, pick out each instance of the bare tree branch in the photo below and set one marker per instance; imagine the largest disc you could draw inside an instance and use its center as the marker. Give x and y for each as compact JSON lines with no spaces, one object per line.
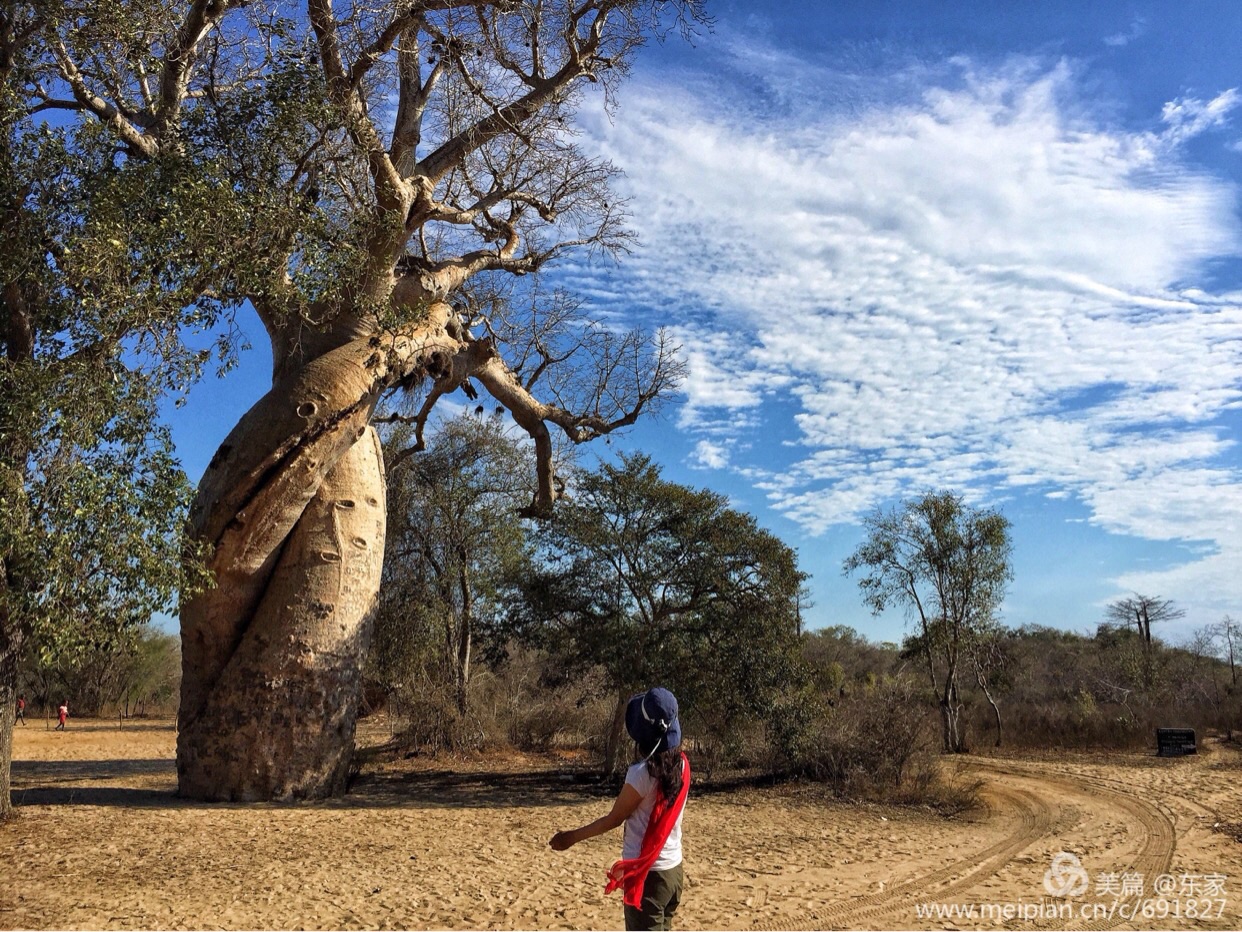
{"x":392,"y":194}
{"x":660,"y":371}
{"x":126,"y":131}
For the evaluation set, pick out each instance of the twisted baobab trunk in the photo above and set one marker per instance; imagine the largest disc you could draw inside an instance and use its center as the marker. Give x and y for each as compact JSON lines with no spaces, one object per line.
{"x":293,"y":505}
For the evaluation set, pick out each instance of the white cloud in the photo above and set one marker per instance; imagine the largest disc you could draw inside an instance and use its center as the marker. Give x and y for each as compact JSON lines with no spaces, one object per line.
{"x":984,"y":286}
{"x":709,"y":455}
{"x":1121,"y":39}
{"x":1187,"y":117}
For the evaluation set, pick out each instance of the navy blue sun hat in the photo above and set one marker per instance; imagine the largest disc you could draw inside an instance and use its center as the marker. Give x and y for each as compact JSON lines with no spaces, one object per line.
{"x":651,"y":720}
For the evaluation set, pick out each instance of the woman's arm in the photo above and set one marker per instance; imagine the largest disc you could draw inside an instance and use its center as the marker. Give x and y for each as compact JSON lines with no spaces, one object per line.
{"x":622,"y":808}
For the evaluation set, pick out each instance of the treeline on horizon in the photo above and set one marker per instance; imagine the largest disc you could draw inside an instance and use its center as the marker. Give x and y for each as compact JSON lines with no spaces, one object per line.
{"x":492,"y":632}
{"x":859,"y":718}
{"x":854,"y":713}
{"x":1062,"y":690}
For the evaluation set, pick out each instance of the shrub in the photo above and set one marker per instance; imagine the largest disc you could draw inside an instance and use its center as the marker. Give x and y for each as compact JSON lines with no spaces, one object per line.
{"x":877,"y":742}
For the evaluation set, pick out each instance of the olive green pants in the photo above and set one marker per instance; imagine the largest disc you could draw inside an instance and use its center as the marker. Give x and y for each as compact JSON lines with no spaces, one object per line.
{"x":661,"y":894}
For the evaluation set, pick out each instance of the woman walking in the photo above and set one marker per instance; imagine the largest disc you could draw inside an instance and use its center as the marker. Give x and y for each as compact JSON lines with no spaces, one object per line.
{"x":650,"y":807}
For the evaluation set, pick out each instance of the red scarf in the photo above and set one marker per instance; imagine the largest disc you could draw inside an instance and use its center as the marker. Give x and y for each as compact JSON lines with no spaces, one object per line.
{"x":632,"y":873}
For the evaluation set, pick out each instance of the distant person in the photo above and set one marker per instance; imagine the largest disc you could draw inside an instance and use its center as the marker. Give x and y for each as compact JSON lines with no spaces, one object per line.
{"x":21,"y":709}
{"x":61,"y":714}
{"x":650,"y":806}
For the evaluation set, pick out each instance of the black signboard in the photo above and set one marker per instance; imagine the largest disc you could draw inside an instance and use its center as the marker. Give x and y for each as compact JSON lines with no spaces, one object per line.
{"x":1174,"y":742}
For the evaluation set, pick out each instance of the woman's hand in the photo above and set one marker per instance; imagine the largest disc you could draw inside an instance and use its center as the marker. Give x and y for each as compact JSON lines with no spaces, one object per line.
{"x":622,"y":808}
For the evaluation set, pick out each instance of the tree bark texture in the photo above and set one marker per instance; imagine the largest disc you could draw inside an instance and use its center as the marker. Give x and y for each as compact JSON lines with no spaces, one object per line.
{"x":465,"y":632}
{"x":615,"y":740}
{"x":10,"y":651}
{"x":951,"y":719}
{"x":277,"y":720}
{"x":983,"y":685}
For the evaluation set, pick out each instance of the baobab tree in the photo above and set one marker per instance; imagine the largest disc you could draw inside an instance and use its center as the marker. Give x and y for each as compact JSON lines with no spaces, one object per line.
{"x":1140,"y":612}
{"x":371,"y":173}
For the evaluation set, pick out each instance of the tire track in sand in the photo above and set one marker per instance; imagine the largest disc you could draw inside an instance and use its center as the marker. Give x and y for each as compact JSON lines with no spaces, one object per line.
{"x":1156,"y":849}
{"x":1034,"y":819}
{"x":1034,"y":813}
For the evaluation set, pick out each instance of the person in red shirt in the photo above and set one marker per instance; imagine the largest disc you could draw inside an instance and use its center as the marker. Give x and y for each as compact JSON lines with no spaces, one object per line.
{"x":21,"y":709}
{"x":650,"y":806}
{"x":61,"y":714}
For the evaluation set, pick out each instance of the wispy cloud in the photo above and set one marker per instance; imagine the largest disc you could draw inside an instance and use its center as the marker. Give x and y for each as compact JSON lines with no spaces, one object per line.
{"x":709,"y":455}
{"x":1120,"y":39}
{"x":1187,"y":117}
{"x":981,"y":286}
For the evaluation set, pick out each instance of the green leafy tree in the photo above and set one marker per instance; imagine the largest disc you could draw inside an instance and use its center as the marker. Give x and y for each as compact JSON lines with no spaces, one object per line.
{"x":659,"y":583}
{"x":101,"y":293}
{"x":368,"y":177}
{"x":947,"y":565}
{"x":132,"y":669}
{"x":454,"y":536}
{"x":152,"y":673}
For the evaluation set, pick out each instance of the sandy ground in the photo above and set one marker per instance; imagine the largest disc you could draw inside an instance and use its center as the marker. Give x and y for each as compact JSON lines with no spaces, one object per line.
{"x":102,"y":843}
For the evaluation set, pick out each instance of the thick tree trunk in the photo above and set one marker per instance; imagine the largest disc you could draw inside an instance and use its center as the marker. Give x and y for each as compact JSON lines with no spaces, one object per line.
{"x":10,"y":649}
{"x":293,"y":509}
{"x":277,"y":721}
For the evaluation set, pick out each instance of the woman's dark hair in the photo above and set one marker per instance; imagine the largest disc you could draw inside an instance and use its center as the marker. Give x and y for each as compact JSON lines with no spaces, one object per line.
{"x":665,"y":767}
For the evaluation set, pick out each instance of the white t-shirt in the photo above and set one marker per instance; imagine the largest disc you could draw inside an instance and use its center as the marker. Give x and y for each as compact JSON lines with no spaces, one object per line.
{"x":639,"y":777}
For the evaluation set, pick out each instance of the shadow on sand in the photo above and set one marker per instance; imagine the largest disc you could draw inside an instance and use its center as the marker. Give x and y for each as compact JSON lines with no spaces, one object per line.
{"x":475,"y":789}
{"x":76,"y":782}
{"x":95,"y":783}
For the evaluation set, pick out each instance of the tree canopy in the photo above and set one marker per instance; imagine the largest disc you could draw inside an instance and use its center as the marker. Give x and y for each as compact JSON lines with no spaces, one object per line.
{"x":660,"y":583}
{"x":101,"y":293}
{"x":947,"y":564}
{"x":454,"y":537}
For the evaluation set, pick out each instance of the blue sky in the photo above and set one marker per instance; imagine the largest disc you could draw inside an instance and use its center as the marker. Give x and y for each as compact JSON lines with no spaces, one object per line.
{"x":992,"y":247}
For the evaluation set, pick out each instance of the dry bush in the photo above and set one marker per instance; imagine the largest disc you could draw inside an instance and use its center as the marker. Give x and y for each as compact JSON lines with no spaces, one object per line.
{"x":720,"y":747}
{"x":936,"y":783}
{"x":1076,"y":723}
{"x":876,"y":743}
{"x":427,"y":721}
{"x":513,"y":704}
{"x":528,"y":707}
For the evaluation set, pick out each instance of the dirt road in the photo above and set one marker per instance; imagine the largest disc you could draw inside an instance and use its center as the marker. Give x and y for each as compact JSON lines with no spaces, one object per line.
{"x":102,"y":843}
